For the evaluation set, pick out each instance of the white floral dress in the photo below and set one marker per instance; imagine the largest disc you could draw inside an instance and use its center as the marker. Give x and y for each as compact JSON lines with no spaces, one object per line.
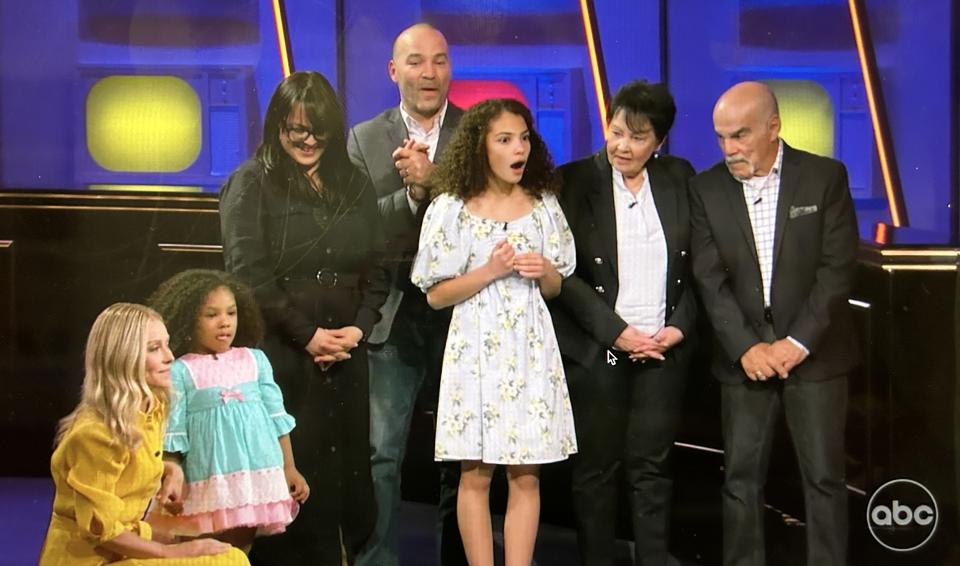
{"x":503,"y":393}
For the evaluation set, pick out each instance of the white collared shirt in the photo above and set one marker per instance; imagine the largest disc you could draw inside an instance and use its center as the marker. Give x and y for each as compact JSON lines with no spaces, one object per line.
{"x":416,"y":132}
{"x":761,"y":195}
{"x":641,"y":257}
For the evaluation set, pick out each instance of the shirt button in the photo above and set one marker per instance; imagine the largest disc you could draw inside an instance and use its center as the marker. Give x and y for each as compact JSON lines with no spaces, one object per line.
{"x":678,"y":282}
{"x":599,"y":289}
{"x":683,"y":253}
{"x":333,"y":448}
{"x":598,"y":260}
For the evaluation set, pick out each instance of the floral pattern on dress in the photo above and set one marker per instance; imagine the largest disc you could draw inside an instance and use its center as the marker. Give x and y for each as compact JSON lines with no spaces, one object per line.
{"x":503,"y":394}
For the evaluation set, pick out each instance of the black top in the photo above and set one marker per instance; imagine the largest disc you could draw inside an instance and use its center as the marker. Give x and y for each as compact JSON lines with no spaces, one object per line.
{"x":276,"y":237}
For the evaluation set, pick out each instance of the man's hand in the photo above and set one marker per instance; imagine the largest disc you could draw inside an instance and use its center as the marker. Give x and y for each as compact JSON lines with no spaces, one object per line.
{"x":413,"y":162}
{"x":787,"y":356}
{"x":759,"y":364}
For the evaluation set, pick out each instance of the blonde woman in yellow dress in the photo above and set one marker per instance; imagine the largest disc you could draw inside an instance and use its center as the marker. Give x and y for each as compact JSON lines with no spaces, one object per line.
{"x":107,"y":464}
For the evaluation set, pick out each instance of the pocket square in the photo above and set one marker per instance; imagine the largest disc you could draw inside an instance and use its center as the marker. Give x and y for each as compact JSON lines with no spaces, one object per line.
{"x":798,"y":211}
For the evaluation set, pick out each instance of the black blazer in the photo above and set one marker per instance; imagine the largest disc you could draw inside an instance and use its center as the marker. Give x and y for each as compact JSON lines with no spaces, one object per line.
{"x":583,"y":314}
{"x":370,"y":145}
{"x":814,"y":259}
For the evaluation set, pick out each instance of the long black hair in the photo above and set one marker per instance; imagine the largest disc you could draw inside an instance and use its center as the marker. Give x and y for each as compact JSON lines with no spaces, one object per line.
{"x":322,"y":108}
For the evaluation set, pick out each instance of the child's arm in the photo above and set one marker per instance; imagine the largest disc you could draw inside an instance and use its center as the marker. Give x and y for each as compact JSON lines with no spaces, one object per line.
{"x":299,"y":489}
{"x":535,"y":266}
{"x":458,"y":289}
{"x":171,"y":484}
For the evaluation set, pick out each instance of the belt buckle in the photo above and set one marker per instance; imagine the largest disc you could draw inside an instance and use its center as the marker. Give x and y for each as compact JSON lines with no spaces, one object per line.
{"x":327,"y":278}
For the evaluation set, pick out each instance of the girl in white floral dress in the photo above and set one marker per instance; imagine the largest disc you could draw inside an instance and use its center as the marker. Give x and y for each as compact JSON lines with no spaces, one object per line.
{"x":495,"y":244}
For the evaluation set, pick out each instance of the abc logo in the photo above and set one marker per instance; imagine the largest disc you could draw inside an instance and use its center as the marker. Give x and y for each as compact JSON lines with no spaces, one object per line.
{"x":902,"y":515}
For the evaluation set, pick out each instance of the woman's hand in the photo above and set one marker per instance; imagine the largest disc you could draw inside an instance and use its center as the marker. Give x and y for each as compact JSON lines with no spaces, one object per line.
{"x":299,"y":490}
{"x":170,"y":495}
{"x":501,"y":262}
{"x":329,"y":346}
{"x":197,"y":547}
{"x":531,"y":265}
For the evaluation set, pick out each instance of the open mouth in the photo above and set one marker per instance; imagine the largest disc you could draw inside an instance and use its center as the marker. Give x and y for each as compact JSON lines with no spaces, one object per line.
{"x":517,"y":166}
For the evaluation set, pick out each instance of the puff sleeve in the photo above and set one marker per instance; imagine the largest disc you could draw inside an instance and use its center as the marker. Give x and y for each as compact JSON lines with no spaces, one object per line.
{"x":176,"y":439}
{"x":444,"y":248}
{"x":283,"y":422}
{"x":95,"y":462}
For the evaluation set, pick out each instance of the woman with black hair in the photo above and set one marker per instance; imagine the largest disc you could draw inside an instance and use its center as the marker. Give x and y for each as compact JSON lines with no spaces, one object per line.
{"x":300,"y":226}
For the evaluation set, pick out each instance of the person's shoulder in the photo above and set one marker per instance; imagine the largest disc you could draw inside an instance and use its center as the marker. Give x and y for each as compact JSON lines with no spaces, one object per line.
{"x":716,"y":172}
{"x":804,"y":158}
{"x":89,"y":428}
{"x":248,"y":173}
{"x":453,"y":115}
{"x":373,"y":126}
{"x":675,"y":165}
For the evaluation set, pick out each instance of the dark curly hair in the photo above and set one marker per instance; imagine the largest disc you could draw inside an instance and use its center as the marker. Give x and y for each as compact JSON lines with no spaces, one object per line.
{"x":464,"y":168}
{"x":180,"y":298}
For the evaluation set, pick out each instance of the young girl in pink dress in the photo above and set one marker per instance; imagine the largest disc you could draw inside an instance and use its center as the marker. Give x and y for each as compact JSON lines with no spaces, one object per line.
{"x":227,"y":424}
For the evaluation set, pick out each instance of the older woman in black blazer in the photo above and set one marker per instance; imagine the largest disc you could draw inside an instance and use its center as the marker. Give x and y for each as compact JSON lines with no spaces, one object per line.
{"x":623,"y":321}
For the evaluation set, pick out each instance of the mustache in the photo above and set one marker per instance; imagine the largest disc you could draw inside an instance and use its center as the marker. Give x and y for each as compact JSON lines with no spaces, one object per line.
{"x":736,"y":159}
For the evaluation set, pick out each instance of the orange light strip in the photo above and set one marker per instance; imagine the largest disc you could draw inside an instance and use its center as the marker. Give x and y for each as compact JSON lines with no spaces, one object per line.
{"x":280,"y":25}
{"x":588,"y":29}
{"x":896,"y":214}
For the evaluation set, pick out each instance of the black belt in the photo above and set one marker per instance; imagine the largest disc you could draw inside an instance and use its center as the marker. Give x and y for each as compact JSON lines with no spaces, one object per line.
{"x":327,"y":278}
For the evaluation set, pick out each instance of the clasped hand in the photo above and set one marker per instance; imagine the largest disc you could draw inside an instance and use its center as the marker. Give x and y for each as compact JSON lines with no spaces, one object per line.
{"x":763,"y":361}
{"x":412,"y":160}
{"x":330,"y":345}
{"x":642,"y":346}
{"x":504,"y":260}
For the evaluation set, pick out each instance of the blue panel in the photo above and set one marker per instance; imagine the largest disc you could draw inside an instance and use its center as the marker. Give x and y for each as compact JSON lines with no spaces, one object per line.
{"x":551,"y":125}
{"x":225,"y":140}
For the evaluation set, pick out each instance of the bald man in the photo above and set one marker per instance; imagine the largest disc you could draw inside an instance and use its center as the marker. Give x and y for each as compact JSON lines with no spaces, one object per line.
{"x":774,"y":241}
{"x":397,"y":150}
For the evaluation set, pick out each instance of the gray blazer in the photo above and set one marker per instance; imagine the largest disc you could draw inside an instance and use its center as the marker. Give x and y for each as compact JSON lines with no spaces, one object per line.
{"x":370,"y":145}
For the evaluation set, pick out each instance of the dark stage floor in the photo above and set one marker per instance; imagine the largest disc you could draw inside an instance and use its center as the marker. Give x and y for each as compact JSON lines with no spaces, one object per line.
{"x":696,"y":537}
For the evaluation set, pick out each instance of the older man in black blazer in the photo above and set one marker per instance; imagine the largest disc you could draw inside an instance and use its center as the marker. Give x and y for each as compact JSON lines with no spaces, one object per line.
{"x":396,"y":150}
{"x":774,"y":251}
{"x":621,"y":322}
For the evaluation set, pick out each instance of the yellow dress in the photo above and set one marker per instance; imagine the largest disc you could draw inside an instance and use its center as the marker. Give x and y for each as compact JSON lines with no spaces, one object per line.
{"x":103,"y":489}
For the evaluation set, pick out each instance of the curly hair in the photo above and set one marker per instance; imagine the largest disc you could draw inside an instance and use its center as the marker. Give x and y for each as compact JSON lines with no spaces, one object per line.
{"x":115,"y":384}
{"x":464,"y":168}
{"x":180,"y":298}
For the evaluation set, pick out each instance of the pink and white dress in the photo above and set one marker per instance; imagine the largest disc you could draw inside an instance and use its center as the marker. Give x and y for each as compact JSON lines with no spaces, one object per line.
{"x":226,"y":415}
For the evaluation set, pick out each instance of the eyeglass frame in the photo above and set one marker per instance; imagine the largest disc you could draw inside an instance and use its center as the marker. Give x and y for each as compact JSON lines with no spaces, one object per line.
{"x":305,"y":132}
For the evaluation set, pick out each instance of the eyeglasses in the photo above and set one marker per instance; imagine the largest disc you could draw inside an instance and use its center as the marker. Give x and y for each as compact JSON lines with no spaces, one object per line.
{"x":298,"y":134}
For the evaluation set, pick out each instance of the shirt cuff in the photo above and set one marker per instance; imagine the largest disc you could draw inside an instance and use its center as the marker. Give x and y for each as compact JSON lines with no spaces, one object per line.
{"x":798,"y":344}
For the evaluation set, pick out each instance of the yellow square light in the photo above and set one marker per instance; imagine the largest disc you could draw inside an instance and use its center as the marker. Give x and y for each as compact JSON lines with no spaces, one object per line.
{"x":806,"y":114}
{"x":144,"y":124}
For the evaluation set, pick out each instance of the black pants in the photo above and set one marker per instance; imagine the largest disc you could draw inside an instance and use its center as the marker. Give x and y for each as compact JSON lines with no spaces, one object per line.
{"x":816,"y":417}
{"x":626,"y":418}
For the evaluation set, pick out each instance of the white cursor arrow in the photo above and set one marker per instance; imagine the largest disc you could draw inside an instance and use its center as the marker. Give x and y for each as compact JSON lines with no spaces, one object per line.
{"x":611,"y":358}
